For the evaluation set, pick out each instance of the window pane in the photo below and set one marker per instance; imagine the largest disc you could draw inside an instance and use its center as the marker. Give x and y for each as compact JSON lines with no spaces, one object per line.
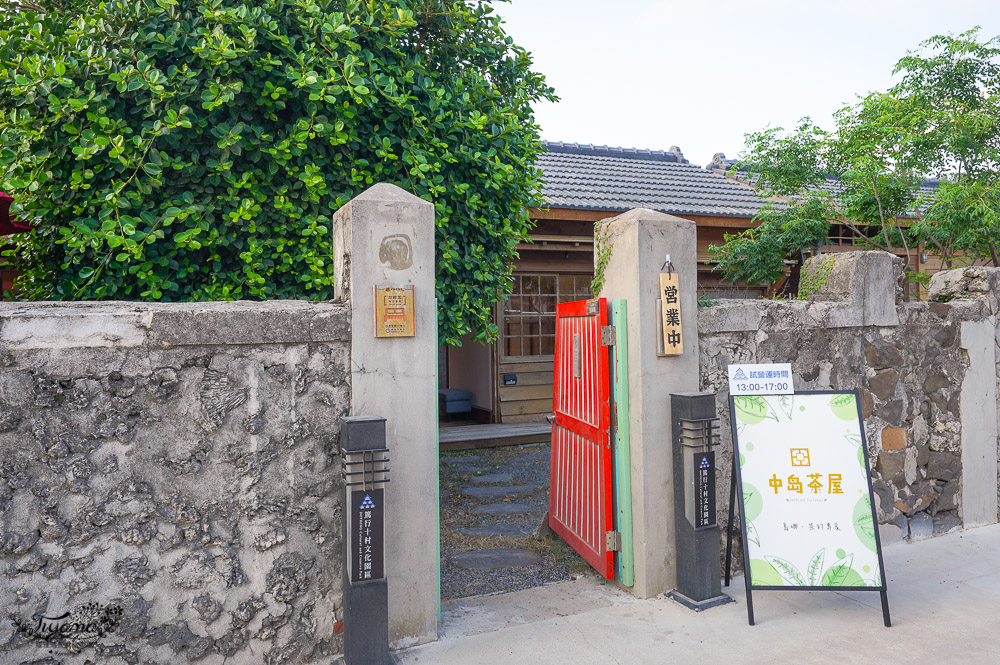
{"x":517,"y":285}
{"x":546,"y":304}
{"x":512,"y":346}
{"x":531,"y":326}
{"x":530,"y":346}
{"x":529,"y":284}
{"x":565,"y":285}
{"x":530,"y":304}
{"x":548,"y":325}
{"x":512,"y":305}
{"x":547,"y":284}
{"x":548,"y":346}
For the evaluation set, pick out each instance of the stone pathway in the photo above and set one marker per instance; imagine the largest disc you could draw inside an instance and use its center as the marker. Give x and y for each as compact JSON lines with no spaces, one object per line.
{"x":491,"y":502}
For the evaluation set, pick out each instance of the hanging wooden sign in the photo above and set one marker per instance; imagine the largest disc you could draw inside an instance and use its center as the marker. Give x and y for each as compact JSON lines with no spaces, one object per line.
{"x":394,"y":311}
{"x":670,"y":314}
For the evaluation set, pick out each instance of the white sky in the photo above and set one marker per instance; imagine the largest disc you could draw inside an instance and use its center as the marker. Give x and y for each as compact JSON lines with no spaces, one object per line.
{"x":700,"y":73}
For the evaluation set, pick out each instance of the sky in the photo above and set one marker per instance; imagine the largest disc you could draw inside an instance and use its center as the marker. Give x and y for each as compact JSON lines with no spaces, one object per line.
{"x":700,"y":74}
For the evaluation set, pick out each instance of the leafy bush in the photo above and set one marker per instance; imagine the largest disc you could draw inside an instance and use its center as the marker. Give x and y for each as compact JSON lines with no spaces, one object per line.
{"x":197,"y":149}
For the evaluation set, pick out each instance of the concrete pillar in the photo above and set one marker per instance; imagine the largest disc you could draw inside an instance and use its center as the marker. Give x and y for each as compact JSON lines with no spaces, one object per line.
{"x":978,"y":407}
{"x":640,"y":239}
{"x":385,"y":236}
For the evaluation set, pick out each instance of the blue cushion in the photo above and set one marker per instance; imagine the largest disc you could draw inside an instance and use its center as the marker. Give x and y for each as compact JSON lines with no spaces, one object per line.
{"x":453,"y":395}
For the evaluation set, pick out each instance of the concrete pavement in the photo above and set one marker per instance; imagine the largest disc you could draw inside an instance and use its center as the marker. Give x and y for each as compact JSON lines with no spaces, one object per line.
{"x":944,"y":596}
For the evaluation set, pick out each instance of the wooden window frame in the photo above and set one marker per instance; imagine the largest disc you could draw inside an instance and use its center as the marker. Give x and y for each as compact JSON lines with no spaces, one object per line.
{"x":523,"y":290}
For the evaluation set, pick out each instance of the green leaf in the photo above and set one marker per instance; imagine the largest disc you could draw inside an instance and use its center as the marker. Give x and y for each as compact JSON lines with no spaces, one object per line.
{"x":788,"y":571}
{"x":816,"y":567}
{"x":838,"y":573}
{"x":751,"y":409}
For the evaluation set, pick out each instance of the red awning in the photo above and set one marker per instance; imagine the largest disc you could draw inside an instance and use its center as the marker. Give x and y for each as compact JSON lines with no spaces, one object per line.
{"x":9,"y":226}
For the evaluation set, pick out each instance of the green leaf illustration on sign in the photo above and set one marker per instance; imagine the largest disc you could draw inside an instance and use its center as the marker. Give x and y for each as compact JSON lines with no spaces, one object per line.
{"x":751,"y":409}
{"x":864,"y":526}
{"x":816,"y":567}
{"x":845,"y":406}
{"x":787,"y":403}
{"x":841,"y":574}
{"x":763,"y":574}
{"x":752,"y":534}
{"x":753,"y":503}
{"x":787,"y":570}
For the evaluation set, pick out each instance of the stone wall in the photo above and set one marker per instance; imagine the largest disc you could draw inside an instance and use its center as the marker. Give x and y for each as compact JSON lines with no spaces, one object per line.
{"x":177,"y":462}
{"x":910,"y":362}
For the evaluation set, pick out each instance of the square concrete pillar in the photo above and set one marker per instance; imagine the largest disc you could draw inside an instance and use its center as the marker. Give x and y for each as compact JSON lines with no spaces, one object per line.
{"x":640,"y":240}
{"x":385,"y":236}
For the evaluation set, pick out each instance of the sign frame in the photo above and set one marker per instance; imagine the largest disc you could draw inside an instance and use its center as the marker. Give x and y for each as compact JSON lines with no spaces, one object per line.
{"x":736,"y":495}
{"x":377,"y":537}
{"x":669,"y":319}
{"x":396,"y":318}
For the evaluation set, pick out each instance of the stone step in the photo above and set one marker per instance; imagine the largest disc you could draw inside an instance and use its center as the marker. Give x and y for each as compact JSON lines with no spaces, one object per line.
{"x":464,"y":459}
{"x":493,"y":531}
{"x":493,"y":478}
{"x":505,"y":557}
{"x":499,"y":492}
{"x":505,"y":509}
{"x":471,"y":469}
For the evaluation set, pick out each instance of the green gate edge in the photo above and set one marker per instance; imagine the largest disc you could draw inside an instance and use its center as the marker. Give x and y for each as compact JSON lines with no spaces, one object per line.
{"x":623,"y":457}
{"x":437,"y":470}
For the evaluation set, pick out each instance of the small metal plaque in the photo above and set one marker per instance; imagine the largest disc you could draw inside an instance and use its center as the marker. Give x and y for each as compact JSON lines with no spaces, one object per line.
{"x":704,"y":489}
{"x":593,"y":307}
{"x":576,"y":355}
{"x":367,"y":535}
{"x":394,"y":311}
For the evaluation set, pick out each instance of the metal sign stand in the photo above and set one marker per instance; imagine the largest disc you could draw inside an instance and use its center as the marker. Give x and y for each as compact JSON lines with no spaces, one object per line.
{"x":366,"y":600}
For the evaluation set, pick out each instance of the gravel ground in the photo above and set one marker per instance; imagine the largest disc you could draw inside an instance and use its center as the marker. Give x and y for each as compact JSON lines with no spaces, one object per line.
{"x":528,"y":465}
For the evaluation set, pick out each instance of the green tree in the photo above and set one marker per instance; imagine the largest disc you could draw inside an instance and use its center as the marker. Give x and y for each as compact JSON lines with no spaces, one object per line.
{"x":941,"y":120}
{"x":197,"y":149}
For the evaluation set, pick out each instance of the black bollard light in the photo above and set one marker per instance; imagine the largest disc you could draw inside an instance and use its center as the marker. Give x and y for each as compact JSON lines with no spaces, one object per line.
{"x":695,"y":434}
{"x":366,"y":599}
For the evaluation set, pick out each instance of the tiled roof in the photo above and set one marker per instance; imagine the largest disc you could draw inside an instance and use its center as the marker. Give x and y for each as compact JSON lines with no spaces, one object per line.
{"x":618,"y":179}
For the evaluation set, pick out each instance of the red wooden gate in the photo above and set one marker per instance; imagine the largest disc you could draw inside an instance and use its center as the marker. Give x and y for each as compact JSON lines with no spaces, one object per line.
{"x":580,"y":504}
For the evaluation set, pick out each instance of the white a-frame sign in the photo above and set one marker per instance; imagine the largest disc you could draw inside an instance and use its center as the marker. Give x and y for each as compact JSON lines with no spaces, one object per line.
{"x":807,"y":514}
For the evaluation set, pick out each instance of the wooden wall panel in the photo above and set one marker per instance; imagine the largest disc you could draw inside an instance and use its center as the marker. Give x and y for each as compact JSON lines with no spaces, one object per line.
{"x":531,"y":399}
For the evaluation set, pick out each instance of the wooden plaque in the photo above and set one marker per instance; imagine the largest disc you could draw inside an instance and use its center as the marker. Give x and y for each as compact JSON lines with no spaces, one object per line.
{"x":670,"y":313}
{"x":394,"y":311}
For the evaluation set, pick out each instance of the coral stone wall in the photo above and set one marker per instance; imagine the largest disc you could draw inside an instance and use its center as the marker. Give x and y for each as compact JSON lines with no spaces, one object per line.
{"x":177,"y":464}
{"x":909,"y":377}
{"x":910,"y":363}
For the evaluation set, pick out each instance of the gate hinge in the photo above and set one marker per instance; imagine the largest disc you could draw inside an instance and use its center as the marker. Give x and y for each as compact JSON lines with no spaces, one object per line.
{"x":608,"y":335}
{"x":613,"y":541}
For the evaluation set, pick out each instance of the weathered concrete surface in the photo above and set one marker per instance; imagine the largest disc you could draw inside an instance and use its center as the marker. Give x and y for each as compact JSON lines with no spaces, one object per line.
{"x":979,"y":425}
{"x":640,"y":240}
{"x":976,"y":284}
{"x":57,"y":326}
{"x":865,"y":281}
{"x":385,"y":236}
{"x":944,"y":595}
{"x":179,"y":462}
